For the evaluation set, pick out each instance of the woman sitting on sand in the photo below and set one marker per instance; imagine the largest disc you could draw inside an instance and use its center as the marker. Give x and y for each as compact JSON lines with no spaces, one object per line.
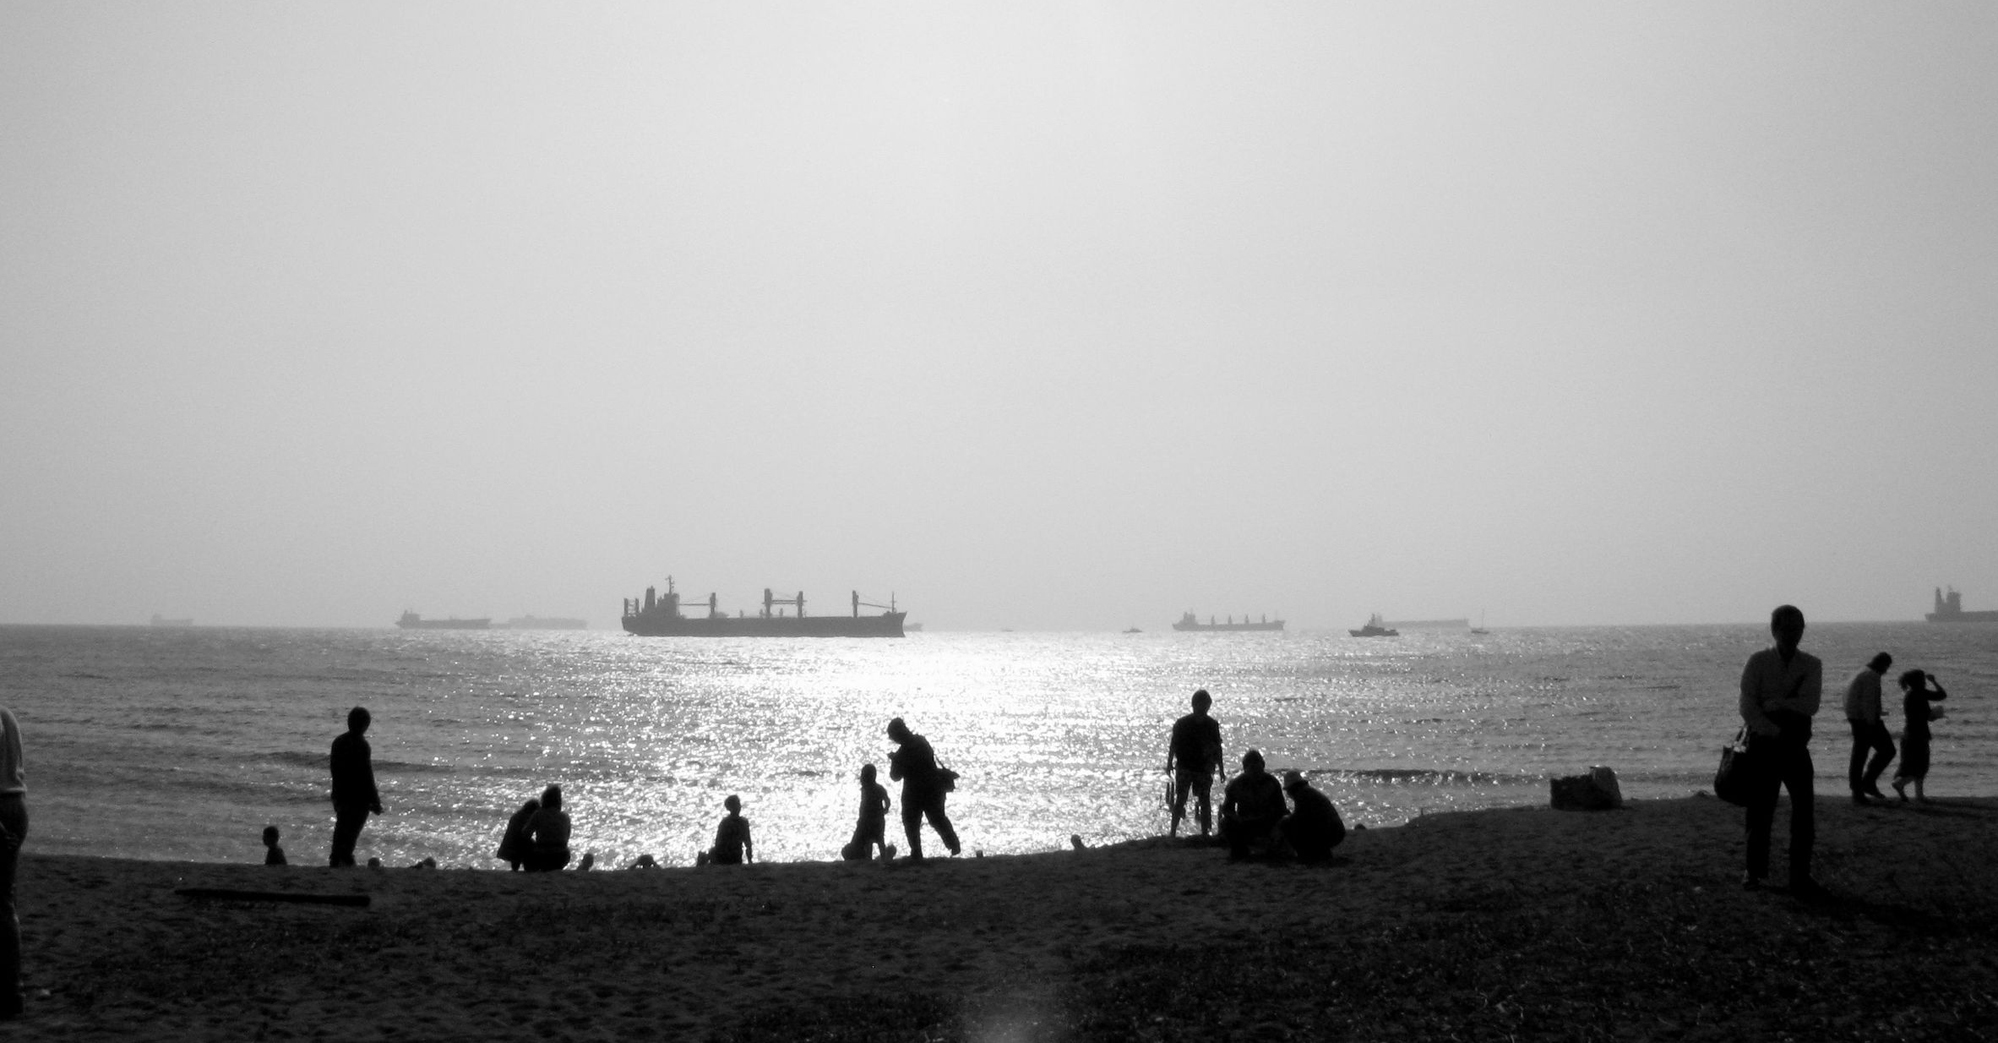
{"x":547,"y":833}
{"x":513,"y":843}
{"x":1916,"y":695}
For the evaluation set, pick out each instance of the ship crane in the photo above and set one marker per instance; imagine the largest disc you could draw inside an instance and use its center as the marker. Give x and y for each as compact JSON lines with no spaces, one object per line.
{"x":858,"y":604}
{"x":770,"y":599}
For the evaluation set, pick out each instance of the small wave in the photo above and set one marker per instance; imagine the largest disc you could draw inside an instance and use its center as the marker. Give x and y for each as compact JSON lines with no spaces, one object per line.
{"x":1423,"y":777}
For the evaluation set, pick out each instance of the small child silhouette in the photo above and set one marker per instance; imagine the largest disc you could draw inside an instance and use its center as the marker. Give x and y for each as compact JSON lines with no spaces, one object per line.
{"x":273,"y":854}
{"x":732,"y":843}
{"x":871,"y":831}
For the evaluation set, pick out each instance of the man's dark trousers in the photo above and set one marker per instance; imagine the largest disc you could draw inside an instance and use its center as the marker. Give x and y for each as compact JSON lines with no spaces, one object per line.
{"x":1783,"y":762}
{"x":1869,"y":736}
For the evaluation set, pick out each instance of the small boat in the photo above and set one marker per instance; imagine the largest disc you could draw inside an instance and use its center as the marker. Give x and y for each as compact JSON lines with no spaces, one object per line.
{"x":1375,"y":628}
{"x":1480,"y":628}
{"x":1133,"y":630}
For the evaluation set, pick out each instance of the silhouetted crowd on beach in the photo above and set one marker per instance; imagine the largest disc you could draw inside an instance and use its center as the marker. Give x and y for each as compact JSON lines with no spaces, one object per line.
{"x":1781,"y":690}
{"x":1261,"y":815}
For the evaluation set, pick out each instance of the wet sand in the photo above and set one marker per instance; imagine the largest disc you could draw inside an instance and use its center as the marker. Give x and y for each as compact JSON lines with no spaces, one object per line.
{"x":1524,"y":923}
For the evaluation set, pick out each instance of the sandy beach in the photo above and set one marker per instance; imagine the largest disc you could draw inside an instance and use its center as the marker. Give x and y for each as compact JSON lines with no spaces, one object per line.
{"x":1512,"y":924}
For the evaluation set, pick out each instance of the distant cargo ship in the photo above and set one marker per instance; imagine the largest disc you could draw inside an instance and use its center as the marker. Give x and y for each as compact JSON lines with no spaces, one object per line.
{"x":1949,"y":609}
{"x":657,"y":616}
{"x":1428,"y":624}
{"x":412,"y":621}
{"x":1187,"y":622}
{"x":1375,"y":628}
{"x":550,"y":623}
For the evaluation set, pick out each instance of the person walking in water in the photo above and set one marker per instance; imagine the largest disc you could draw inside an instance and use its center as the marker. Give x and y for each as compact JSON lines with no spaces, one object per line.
{"x":1869,"y":731}
{"x":914,"y":764}
{"x":354,"y":793}
{"x":1781,"y":688}
{"x":13,"y":831}
{"x":1193,"y":755}
{"x":1918,"y":690}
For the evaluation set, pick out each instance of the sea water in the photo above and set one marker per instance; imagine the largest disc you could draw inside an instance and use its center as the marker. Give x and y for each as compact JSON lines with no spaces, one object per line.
{"x":183,"y":743}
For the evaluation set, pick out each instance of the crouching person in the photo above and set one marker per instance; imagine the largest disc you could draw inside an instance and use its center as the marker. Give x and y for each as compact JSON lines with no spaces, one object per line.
{"x":1251,"y":808}
{"x":1313,"y":827}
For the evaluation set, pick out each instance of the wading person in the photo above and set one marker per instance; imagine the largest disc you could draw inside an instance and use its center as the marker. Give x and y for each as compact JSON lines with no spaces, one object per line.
{"x":1780,"y":691}
{"x":1869,"y":731}
{"x":1918,"y":690}
{"x":13,"y":831}
{"x":914,"y":764}
{"x":354,"y":793}
{"x":1193,"y":755}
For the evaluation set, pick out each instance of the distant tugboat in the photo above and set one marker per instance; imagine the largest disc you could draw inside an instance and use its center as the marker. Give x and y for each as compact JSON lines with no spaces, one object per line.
{"x":412,"y":621}
{"x":1949,"y":609}
{"x":1187,"y":622}
{"x":657,"y":616}
{"x":1375,"y":628}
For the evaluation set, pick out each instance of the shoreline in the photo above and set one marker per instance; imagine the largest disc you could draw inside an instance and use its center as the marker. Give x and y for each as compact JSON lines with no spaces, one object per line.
{"x":1526,"y":922}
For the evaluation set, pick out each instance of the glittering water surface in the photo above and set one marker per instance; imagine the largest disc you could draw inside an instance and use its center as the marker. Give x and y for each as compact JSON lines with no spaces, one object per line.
{"x":184,"y":743}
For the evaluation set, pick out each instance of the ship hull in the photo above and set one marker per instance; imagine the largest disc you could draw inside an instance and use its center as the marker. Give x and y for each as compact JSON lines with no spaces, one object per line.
{"x":1276,"y":624}
{"x":888,"y":624}
{"x":1980,"y":616}
{"x":446,"y":624}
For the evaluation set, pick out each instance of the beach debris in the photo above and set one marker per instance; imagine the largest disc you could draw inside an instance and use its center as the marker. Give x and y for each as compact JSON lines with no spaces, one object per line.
{"x":1595,"y":791}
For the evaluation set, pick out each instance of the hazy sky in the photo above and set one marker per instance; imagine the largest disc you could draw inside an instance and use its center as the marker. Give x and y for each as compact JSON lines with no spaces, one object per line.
{"x":1046,"y":316}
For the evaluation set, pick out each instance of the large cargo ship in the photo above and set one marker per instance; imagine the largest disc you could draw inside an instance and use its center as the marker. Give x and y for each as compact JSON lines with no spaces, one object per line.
{"x":1949,"y":609}
{"x":1188,"y":622}
{"x":412,"y":621}
{"x":660,"y":616}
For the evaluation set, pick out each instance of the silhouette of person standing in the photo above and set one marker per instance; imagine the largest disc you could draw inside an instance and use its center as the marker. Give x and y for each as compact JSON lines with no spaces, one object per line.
{"x":914,"y":763}
{"x":354,"y":793}
{"x":1869,"y":732}
{"x":13,"y":831}
{"x":1918,"y":690}
{"x":1780,"y":691}
{"x":1193,"y":755}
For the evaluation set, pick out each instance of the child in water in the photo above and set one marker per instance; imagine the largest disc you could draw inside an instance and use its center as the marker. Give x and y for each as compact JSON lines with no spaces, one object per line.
{"x":872,"y":830}
{"x":273,"y":854}
{"x":732,"y":844}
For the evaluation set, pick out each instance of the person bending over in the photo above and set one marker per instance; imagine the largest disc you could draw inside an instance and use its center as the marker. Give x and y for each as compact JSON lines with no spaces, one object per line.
{"x":1313,"y":827}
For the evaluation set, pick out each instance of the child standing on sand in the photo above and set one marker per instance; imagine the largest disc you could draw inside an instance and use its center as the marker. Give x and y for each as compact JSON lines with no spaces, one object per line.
{"x":872,"y":830}
{"x":273,"y":854}
{"x":732,"y":844}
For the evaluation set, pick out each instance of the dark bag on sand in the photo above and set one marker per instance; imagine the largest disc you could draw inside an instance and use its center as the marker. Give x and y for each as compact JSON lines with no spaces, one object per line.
{"x":1735,"y":781}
